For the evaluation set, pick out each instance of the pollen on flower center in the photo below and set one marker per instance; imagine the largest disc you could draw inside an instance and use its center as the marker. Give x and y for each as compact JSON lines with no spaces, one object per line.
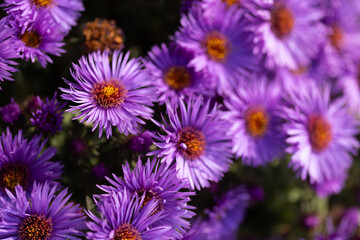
{"x":216,"y":46}
{"x":319,"y":132}
{"x":12,"y":175}
{"x":109,"y":94}
{"x":31,"y":39}
{"x":35,"y":227}
{"x":177,"y":77}
{"x":282,"y":21}
{"x":336,"y":37}
{"x":231,"y":2}
{"x":42,"y":3}
{"x":191,"y":143}
{"x":127,"y":232}
{"x":148,"y":196}
{"x":256,"y":121}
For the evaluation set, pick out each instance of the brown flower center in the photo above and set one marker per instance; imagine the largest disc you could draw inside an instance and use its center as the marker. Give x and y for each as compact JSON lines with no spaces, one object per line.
{"x":216,"y":46}
{"x":256,"y":122}
{"x":35,"y":227}
{"x":319,"y":132}
{"x":191,"y":143}
{"x":177,"y":77}
{"x":149,"y":194}
{"x":31,"y":39}
{"x":127,"y":232}
{"x":109,"y":94}
{"x":42,"y":3}
{"x":282,"y":21}
{"x":336,"y":37}
{"x":14,"y":174}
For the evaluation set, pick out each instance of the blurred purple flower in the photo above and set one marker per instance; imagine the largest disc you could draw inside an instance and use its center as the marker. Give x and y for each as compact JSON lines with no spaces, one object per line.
{"x":141,"y":142}
{"x":10,"y":113}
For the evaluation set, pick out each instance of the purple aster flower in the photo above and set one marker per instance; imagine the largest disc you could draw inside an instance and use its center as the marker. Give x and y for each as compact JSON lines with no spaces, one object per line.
{"x":198,"y":231}
{"x":7,"y":51}
{"x":49,"y":115}
{"x":311,"y":220}
{"x":226,"y":217}
{"x":44,"y":215}
{"x":288,"y":32}
{"x":158,"y":181}
{"x":196,"y":139}
{"x":321,"y":133}
{"x":173,"y":77}
{"x":186,"y":5}
{"x":125,"y":216}
{"x":220,"y":44}
{"x":141,"y":142}
{"x":23,"y":162}
{"x":331,"y":186}
{"x":254,"y":111}
{"x":63,"y":12}
{"x":10,"y":113}
{"x":116,"y":93}
{"x":37,"y":42}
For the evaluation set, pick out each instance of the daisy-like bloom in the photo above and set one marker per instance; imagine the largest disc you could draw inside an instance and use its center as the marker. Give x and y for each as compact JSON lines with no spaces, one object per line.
{"x":288,"y":32}
{"x":226,"y":217}
{"x":321,"y":132}
{"x":7,"y":51}
{"x":125,"y":216}
{"x":102,"y":35}
{"x":63,"y":12}
{"x":23,"y":162}
{"x":45,"y":215}
{"x":173,"y":77}
{"x":116,"y":93}
{"x":158,"y":181}
{"x":37,"y":42}
{"x":254,"y":111}
{"x":49,"y":115}
{"x":196,"y":139}
{"x":220,"y":44}
{"x":10,"y":113}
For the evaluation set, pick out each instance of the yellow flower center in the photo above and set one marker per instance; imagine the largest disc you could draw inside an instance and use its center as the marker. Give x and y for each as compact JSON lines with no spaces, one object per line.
{"x":256,"y":122}
{"x":31,"y":39}
{"x":14,"y":174}
{"x":217,"y":46}
{"x":42,"y":3}
{"x":109,"y":94}
{"x":35,"y":227}
{"x":191,"y":143}
{"x":177,"y":77}
{"x":336,"y":37}
{"x":127,"y":232}
{"x":319,"y":132}
{"x":282,"y":21}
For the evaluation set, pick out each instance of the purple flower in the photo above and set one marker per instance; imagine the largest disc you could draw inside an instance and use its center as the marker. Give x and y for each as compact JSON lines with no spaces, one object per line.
{"x":63,"y":12}
{"x":331,"y":186}
{"x":288,"y":32}
{"x":125,"y":216}
{"x":48,"y":117}
{"x":254,"y":111}
{"x":226,"y":217}
{"x":116,"y":93}
{"x":220,"y":44}
{"x":37,"y":42}
{"x":44,"y":215}
{"x":23,"y":162}
{"x":10,"y":113}
{"x":311,"y":221}
{"x":158,"y":181}
{"x":173,"y":77}
{"x":198,"y":231}
{"x":7,"y":51}
{"x":100,"y":171}
{"x":141,"y":142}
{"x":321,"y":133}
{"x":196,"y":139}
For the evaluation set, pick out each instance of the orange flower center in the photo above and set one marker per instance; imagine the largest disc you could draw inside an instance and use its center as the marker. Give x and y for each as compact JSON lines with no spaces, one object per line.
{"x":217,"y":47}
{"x":109,"y":94}
{"x":148,"y":196}
{"x":319,"y":132}
{"x":191,"y":143}
{"x":35,"y":227}
{"x":231,"y":2}
{"x":282,"y":21}
{"x":177,"y":77}
{"x":256,"y":122}
{"x":14,"y":174}
{"x":42,"y":3}
{"x":31,"y":39}
{"x":127,"y":232}
{"x":336,"y":37}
